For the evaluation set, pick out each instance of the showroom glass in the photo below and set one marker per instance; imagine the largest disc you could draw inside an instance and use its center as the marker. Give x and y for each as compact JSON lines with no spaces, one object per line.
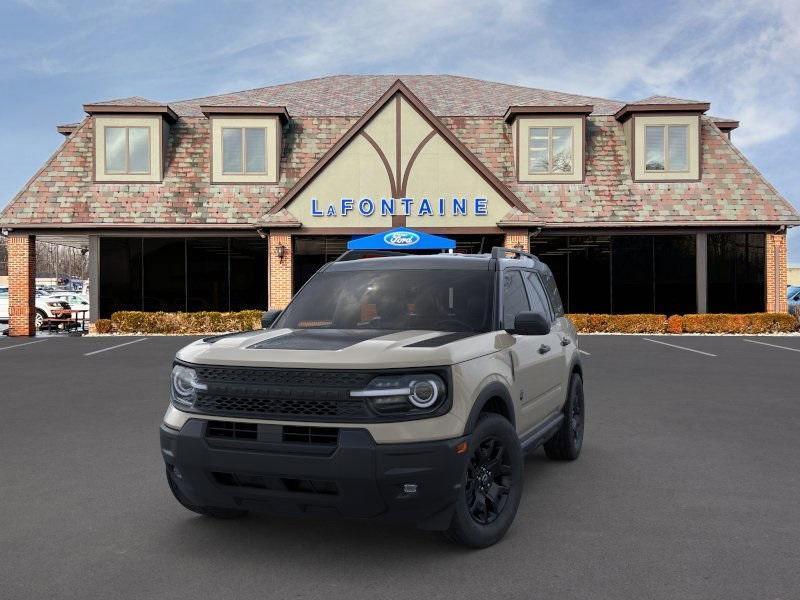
{"x":394,"y":300}
{"x":194,"y":274}
{"x":244,"y":150}
{"x":736,"y":265}
{"x":515,"y":298}
{"x":549,"y":150}
{"x":127,"y":150}
{"x":666,"y":147}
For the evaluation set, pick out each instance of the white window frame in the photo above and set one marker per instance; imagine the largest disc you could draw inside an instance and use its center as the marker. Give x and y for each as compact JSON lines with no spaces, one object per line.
{"x":550,"y":129}
{"x":127,"y":129}
{"x":665,"y":148}
{"x":244,"y":171}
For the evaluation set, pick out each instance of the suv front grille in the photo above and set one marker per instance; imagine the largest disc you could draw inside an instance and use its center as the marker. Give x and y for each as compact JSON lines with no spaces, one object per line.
{"x":293,"y":394}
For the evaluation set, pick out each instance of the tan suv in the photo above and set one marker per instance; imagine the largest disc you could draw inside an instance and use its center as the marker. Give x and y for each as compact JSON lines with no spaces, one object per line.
{"x":394,"y":387}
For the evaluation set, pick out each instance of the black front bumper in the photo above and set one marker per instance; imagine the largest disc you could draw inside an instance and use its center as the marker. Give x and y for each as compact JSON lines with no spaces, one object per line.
{"x":355,"y":478}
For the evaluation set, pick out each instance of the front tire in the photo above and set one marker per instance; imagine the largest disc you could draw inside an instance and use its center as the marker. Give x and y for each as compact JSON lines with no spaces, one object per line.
{"x":567,"y":442}
{"x":491,"y":485}
{"x":206,"y":511}
{"x":39,"y":318}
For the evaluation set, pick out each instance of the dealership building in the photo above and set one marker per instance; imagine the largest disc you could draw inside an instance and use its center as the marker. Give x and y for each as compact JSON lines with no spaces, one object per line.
{"x":233,"y":201}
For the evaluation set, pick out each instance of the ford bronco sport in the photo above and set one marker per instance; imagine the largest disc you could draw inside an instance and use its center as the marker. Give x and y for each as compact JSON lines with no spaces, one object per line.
{"x":396,"y":387}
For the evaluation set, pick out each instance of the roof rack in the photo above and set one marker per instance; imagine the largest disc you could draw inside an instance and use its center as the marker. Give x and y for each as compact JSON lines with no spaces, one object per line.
{"x":499,"y":252}
{"x":358,"y":254}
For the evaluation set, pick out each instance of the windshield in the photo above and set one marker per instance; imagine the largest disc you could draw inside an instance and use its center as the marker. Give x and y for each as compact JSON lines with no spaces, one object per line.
{"x":451,"y":300}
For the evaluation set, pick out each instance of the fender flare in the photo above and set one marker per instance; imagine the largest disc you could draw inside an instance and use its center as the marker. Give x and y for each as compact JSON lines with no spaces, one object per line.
{"x":494,"y":389}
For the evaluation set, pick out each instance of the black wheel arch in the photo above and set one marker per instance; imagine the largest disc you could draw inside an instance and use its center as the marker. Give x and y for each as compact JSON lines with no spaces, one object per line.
{"x":494,"y":398}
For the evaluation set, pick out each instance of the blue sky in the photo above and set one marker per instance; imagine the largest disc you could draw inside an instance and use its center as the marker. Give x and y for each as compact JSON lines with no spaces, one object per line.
{"x":56,"y":55}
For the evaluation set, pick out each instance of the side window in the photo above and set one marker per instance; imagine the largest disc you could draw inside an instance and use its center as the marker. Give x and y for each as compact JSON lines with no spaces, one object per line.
{"x":537,"y":296}
{"x":552,"y":293}
{"x":515,"y":299}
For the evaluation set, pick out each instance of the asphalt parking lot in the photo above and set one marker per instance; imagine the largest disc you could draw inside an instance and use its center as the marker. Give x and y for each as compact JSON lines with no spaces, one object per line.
{"x":688,"y":487}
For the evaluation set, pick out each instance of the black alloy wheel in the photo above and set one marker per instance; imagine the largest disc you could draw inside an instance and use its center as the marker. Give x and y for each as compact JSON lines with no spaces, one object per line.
{"x":488,"y":480}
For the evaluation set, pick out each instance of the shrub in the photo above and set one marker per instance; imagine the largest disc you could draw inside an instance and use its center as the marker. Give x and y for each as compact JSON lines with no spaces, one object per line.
{"x":103,"y":326}
{"x":675,"y":324}
{"x":706,"y":323}
{"x":197,"y":322}
{"x":746,"y":323}
{"x":586,"y":323}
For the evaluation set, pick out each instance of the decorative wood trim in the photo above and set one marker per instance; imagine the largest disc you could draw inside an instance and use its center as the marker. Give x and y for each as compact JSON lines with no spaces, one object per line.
{"x":279,"y":111}
{"x":384,"y":160}
{"x":131,"y":109}
{"x":515,"y":111}
{"x":629,"y":109}
{"x":399,"y":87}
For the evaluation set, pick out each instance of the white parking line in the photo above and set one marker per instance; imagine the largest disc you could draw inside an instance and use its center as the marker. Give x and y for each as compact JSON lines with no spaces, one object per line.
{"x":772,"y":345}
{"x":680,"y":347}
{"x":113,"y":347}
{"x":20,"y":345}
{"x":584,"y":352}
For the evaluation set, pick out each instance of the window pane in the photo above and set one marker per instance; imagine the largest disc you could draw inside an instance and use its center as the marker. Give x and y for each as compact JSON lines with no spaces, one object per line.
{"x":632,"y":274}
{"x":654,"y":148}
{"x":138,"y":149}
{"x":248,"y":273}
{"x":255,"y":140}
{"x":120,"y":266}
{"x":675,"y":280}
{"x":164,"y":277}
{"x":552,"y":251}
{"x":231,"y":150}
{"x":538,"y":150}
{"x":736,"y":272}
{"x":589,"y":274}
{"x":115,"y":149}
{"x":678,"y":140}
{"x":207,"y":273}
{"x":562,"y":149}
{"x":515,"y":300}
{"x":536,"y":295}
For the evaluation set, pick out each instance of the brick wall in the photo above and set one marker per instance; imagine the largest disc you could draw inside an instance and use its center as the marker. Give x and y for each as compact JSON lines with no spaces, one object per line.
{"x":280,"y":271}
{"x":776,"y":273}
{"x":517,"y":237}
{"x":21,"y":284}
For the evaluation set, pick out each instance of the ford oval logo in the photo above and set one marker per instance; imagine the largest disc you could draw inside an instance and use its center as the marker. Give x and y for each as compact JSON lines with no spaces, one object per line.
{"x":401,"y":238}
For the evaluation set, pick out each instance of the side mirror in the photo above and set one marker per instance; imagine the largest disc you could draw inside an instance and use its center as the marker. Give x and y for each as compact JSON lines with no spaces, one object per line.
{"x":531,"y":323}
{"x":268,"y":318}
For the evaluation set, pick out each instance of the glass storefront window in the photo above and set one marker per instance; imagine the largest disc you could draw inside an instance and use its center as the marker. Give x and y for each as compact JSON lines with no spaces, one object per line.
{"x":180,"y":274}
{"x":736,"y":272}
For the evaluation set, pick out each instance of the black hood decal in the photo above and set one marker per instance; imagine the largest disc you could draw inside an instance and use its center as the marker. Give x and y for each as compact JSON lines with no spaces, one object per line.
{"x":319,"y":339}
{"x":441,"y":340}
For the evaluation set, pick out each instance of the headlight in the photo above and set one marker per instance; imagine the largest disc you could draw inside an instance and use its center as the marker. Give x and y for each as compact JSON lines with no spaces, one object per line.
{"x":407,"y":393}
{"x":185,"y":385}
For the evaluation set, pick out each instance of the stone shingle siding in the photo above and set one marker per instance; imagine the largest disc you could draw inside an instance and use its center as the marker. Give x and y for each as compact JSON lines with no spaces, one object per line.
{"x":63,"y":192}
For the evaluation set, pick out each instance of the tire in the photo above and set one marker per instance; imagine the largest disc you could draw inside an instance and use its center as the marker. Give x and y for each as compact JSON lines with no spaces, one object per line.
{"x":491,"y":485}
{"x":567,"y":442}
{"x":39,"y":318}
{"x":206,"y":511}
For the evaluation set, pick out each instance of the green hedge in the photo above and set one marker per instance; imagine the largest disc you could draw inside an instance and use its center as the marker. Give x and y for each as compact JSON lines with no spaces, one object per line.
{"x":706,"y":323}
{"x":197,"y":322}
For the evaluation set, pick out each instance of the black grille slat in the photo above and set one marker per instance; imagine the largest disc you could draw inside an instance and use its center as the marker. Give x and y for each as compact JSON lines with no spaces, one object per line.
{"x":328,"y":436}
{"x":301,"y":394}
{"x":232,"y":430}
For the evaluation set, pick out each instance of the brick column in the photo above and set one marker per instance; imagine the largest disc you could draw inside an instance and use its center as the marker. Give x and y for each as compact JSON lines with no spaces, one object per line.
{"x":280,"y":270}
{"x":775,"y":273}
{"x":517,"y":237}
{"x":21,"y":284}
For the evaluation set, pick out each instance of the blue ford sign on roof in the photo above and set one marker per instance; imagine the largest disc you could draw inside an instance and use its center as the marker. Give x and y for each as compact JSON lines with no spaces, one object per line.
{"x":401,"y":238}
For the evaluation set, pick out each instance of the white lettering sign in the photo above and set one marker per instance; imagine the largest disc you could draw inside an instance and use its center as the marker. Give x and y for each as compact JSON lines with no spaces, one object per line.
{"x":424,"y":207}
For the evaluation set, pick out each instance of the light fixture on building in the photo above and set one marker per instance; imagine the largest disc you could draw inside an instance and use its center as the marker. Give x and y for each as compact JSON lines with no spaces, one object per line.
{"x":517,"y":246}
{"x":5,"y":231}
{"x":280,"y":252}
{"x":261,"y":233}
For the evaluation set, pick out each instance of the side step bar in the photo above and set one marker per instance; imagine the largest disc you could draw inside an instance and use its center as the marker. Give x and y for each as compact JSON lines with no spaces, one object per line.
{"x":541,"y":433}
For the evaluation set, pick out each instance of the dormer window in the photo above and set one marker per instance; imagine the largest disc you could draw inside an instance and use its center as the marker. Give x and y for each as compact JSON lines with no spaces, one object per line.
{"x":548,"y":142}
{"x":550,"y":150}
{"x":244,"y":150}
{"x":666,"y":148}
{"x":127,"y":150}
{"x":245,"y":143}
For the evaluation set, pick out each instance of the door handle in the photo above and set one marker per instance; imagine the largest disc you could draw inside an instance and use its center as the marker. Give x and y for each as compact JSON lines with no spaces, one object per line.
{"x":565,"y":341}
{"x":544,"y":349}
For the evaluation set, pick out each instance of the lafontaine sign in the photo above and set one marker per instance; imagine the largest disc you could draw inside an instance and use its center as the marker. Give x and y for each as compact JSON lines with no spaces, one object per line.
{"x":422,"y":207}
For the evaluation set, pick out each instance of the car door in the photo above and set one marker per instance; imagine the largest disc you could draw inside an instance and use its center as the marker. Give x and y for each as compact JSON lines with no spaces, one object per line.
{"x":554,"y":367}
{"x":529,"y":355}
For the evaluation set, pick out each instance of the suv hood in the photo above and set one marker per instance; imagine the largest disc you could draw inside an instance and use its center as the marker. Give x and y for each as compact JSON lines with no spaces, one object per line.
{"x":343,"y":348}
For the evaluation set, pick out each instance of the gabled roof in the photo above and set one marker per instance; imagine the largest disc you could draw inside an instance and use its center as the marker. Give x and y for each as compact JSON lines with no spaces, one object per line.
{"x":398,"y":87}
{"x":134,"y":105}
{"x":130,"y":101}
{"x":665,"y":100}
